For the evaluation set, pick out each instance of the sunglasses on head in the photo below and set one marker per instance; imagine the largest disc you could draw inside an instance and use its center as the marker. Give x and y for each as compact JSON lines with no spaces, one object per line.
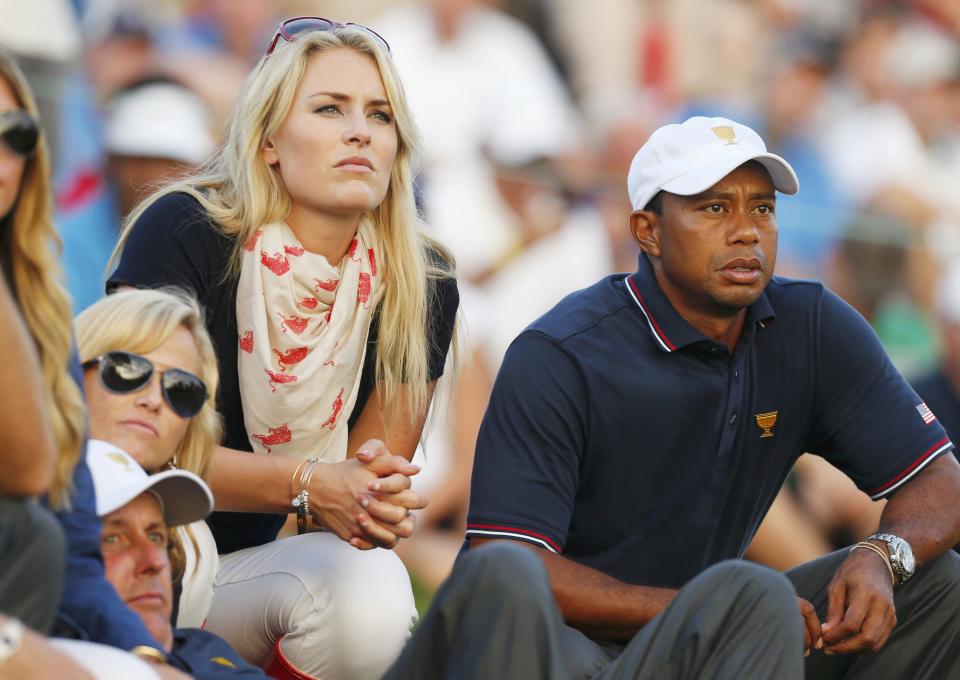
{"x":124,"y":372}
{"x":19,"y":131}
{"x":291,"y":28}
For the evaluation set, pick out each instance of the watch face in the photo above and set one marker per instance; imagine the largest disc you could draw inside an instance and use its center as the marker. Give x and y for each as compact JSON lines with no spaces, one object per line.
{"x":906,"y":559}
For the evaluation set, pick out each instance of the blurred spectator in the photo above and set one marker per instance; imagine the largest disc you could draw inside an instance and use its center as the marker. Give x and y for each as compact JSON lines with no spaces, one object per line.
{"x":156,"y":131}
{"x":809,"y":225}
{"x":45,"y":38}
{"x":912,"y":162}
{"x":876,"y":271}
{"x":213,"y":46}
{"x":481,"y":87}
{"x":940,"y":387}
{"x":119,"y":49}
{"x":559,"y":247}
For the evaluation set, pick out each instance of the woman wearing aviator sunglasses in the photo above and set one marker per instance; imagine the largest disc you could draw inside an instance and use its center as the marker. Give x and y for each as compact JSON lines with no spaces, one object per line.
{"x":149,"y":369}
{"x":331,"y":312}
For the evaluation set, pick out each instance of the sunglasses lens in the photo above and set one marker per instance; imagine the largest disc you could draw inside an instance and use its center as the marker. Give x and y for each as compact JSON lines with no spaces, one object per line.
{"x":184,"y":392}
{"x":305,"y":25}
{"x":19,"y":131}
{"x":373,"y":34}
{"x":124,"y":372}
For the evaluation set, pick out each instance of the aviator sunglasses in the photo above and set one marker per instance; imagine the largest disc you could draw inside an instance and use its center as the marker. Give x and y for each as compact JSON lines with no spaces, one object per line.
{"x":19,"y":131}
{"x":125,"y":372}
{"x":291,"y":28}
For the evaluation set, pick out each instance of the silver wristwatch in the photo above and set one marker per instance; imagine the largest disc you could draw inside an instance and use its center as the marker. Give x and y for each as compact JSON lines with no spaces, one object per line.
{"x":901,"y":555}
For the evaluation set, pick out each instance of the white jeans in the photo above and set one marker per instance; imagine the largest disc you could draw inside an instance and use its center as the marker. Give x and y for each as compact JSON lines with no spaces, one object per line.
{"x":338,"y":612}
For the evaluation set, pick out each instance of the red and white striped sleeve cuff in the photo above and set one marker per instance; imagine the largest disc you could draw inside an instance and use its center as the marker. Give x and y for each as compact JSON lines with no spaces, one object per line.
{"x":502,"y":531}
{"x":916,"y":466}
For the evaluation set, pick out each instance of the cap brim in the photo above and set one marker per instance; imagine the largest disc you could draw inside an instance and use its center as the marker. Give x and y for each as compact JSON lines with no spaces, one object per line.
{"x":702,"y":178}
{"x":186,"y":498}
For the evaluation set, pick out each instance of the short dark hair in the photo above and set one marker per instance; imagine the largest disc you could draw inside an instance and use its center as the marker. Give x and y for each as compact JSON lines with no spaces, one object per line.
{"x":655,"y":204}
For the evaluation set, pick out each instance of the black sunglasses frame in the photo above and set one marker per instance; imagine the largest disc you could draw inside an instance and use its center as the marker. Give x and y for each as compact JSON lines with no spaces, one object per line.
{"x":106,"y":362}
{"x":20,"y":132}
{"x":318,"y":24}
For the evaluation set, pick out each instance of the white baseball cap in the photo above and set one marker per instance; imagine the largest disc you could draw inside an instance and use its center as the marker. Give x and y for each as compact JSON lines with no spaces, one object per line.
{"x":159,"y":120}
{"x":690,"y":157}
{"x":118,"y":479}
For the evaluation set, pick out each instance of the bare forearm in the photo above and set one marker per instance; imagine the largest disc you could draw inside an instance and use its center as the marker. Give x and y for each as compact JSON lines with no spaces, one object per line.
{"x":926,"y":511}
{"x":599,"y":605}
{"x":29,"y":453}
{"x":243,"y":481}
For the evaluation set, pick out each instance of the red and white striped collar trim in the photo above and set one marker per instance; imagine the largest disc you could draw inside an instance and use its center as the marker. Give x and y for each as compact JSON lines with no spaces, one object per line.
{"x":662,"y":340}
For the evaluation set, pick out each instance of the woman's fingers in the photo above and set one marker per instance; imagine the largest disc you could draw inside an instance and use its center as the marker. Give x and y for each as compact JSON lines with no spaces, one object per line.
{"x":391,"y":484}
{"x":408,"y":498}
{"x":376,"y":533}
{"x":370,"y":449}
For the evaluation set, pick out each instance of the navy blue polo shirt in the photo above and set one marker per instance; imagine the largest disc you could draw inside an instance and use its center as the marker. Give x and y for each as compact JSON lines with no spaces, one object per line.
{"x":619,"y":435}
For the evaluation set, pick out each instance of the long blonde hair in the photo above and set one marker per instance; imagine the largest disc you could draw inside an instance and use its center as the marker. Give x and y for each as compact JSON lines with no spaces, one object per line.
{"x":35,"y":272}
{"x":142,"y":320}
{"x":241,"y":192}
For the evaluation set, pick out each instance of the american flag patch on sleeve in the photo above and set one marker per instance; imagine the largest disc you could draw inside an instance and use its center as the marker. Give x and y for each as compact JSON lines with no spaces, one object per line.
{"x":925,"y":413}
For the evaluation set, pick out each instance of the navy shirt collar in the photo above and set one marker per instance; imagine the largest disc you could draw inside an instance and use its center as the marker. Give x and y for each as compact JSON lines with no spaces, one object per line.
{"x":670,"y":330}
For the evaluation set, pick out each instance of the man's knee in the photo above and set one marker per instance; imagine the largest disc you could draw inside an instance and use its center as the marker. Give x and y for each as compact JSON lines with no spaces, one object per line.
{"x":751,"y":587}
{"x":501,"y":569}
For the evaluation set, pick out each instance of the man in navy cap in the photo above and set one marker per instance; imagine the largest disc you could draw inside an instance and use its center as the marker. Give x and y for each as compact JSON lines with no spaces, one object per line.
{"x":639,"y":431}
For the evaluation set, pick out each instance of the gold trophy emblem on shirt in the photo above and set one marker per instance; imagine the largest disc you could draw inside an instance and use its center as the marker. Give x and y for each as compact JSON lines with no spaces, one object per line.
{"x":725,"y":132}
{"x":766,"y":421}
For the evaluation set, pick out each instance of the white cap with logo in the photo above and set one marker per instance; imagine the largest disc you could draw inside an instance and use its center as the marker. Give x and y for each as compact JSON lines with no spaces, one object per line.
{"x":118,"y":479}
{"x":690,"y":157}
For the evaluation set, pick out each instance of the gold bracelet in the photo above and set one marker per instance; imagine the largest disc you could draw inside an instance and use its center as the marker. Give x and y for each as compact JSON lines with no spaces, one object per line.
{"x":301,"y":502}
{"x":293,"y":478}
{"x":151,"y":654}
{"x":883,"y":556}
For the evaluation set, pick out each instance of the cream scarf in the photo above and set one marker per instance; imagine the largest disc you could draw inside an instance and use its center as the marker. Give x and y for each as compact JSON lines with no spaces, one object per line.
{"x":303,"y":328}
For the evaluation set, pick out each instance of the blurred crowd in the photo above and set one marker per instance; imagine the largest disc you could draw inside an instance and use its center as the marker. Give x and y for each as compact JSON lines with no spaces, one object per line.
{"x":531,"y":111}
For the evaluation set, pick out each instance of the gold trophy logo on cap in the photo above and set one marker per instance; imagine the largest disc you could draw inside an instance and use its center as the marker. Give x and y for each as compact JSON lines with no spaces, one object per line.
{"x":725,"y":132}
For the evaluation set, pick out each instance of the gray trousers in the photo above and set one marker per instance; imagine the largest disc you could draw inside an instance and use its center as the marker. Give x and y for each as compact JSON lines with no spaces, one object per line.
{"x":496,"y":618}
{"x":925,"y":644}
{"x":32,"y":562}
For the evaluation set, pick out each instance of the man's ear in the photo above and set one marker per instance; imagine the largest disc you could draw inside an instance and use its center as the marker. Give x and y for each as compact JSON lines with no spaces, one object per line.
{"x":268,"y":150}
{"x":645,"y":228}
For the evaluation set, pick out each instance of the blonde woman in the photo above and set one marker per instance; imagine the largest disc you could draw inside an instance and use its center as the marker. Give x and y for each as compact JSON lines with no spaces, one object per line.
{"x":165,"y":421}
{"x":331,"y":313}
{"x":89,"y":607}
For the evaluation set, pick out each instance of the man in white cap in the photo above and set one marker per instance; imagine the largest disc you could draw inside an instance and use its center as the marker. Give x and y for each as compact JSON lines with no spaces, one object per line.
{"x":639,"y":431}
{"x":137,"y":511}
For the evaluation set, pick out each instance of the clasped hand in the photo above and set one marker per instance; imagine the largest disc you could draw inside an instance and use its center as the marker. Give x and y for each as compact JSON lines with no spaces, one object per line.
{"x":860,"y":609}
{"x":367,"y":500}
